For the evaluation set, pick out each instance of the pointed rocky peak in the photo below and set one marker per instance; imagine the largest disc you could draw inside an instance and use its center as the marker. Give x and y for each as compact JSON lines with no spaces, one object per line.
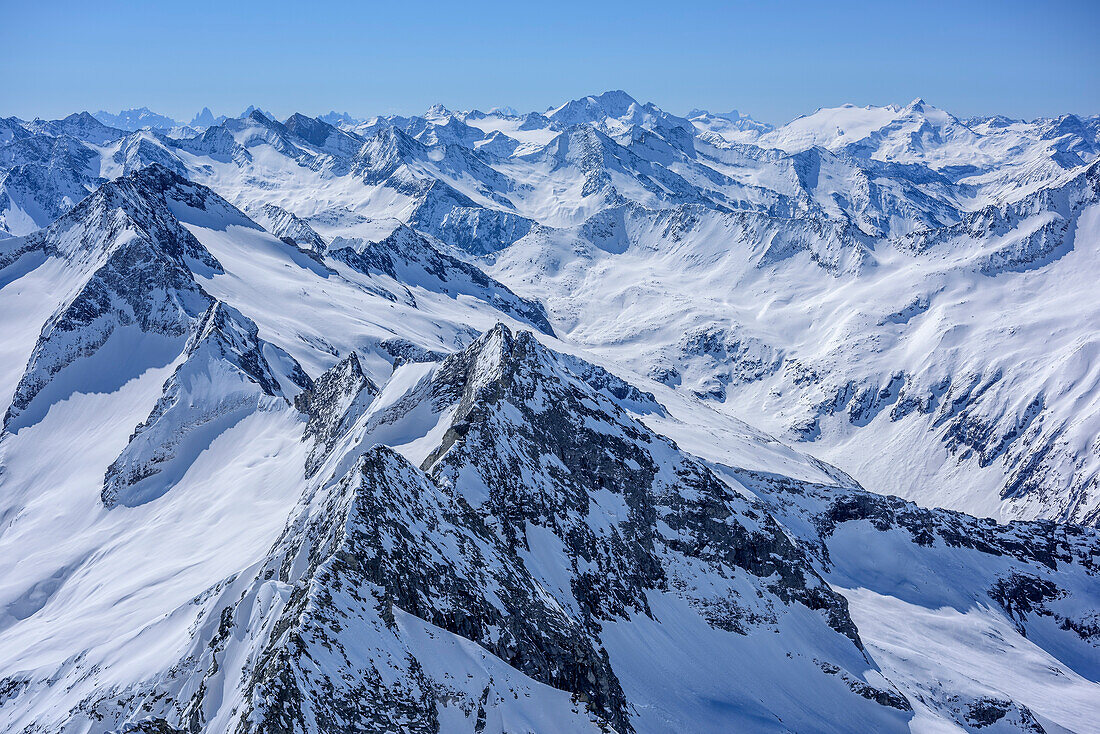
{"x":625,"y":120}
{"x":615,"y":100}
{"x":188,"y":201}
{"x":276,"y":131}
{"x":557,"y":465}
{"x":917,"y":105}
{"x":205,"y":118}
{"x":583,"y":145}
{"x":313,"y":130}
{"x":331,"y":147}
{"x":934,"y":118}
{"x":615,"y":103}
{"x":488,"y":360}
{"x":255,"y":113}
{"x":141,"y":291}
{"x":384,"y":152}
{"x":336,"y":400}
{"x":218,"y":142}
{"x":129,"y":236}
{"x":438,"y":113}
{"x":497,"y":145}
{"x":154,"y":200}
{"x":228,"y":372}
{"x":345,"y":377}
{"x":224,"y":333}
{"x":499,"y":358}
{"x":142,"y":149}
{"x":81,"y":119}
{"x":443,"y":131}
{"x":404,"y":144}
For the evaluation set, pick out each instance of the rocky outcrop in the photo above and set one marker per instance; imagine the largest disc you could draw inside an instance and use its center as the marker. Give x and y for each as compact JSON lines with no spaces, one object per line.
{"x":336,"y":400}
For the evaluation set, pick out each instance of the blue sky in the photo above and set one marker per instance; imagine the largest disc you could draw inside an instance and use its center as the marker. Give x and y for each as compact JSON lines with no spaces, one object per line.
{"x":771,"y":60}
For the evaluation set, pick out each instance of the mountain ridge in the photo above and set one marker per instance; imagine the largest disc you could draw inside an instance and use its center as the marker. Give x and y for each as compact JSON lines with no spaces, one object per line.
{"x":597,"y":419}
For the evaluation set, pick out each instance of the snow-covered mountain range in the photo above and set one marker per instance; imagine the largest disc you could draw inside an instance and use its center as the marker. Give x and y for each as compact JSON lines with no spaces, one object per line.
{"x":597,"y":418}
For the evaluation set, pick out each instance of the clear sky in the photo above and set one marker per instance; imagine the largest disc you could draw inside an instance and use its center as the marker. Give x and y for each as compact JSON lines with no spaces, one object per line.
{"x":773,"y":60}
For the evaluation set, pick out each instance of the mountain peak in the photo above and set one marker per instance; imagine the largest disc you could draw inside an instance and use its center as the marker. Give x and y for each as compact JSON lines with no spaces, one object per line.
{"x":337,"y":118}
{"x":612,"y":104}
{"x":437,"y":111}
{"x":205,"y":118}
{"x":84,"y":118}
{"x":138,"y":118}
{"x":616,"y":98}
{"x":311,"y":129}
{"x":225,"y":355}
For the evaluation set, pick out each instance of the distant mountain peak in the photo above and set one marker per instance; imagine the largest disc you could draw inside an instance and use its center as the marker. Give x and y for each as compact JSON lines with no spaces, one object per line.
{"x":203,"y":118}
{"x":613,"y":103}
{"x":437,"y":110}
{"x":252,"y":109}
{"x":136,"y":119}
{"x":338,"y":118}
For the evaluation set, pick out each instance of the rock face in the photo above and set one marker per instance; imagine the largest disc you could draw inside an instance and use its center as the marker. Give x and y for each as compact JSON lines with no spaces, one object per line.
{"x":388,"y":552}
{"x":336,"y":401}
{"x":526,"y":448}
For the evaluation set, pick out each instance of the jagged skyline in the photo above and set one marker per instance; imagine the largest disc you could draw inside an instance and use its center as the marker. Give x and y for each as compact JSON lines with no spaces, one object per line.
{"x":773,"y":64}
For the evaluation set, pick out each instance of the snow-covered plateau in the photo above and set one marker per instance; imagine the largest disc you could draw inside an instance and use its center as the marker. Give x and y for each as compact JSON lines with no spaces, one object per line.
{"x":591,"y":419}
